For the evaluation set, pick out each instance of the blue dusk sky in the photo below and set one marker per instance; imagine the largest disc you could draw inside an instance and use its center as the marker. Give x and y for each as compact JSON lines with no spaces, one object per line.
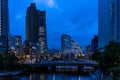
{"x":78,"y":18}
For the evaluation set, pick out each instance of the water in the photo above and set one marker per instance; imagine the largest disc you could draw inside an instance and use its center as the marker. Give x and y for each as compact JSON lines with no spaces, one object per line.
{"x":53,"y":76}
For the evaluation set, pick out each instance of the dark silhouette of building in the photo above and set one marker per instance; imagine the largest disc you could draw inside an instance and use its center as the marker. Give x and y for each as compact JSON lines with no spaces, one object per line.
{"x":94,"y":43}
{"x":31,"y":24}
{"x":88,"y":50}
{"x":27,"y":48}
{"x":31,"y":51}
{"x":36,"y":27}
{"x":4,"y":26}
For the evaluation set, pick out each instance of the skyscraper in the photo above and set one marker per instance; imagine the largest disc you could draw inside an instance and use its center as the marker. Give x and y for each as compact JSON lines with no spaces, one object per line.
{"x":36,"y":27}
{"x":31,"y":24}
{"x":42,"y":36}
{"x":118,"y":19}
{"x":109,"y":25}
{"x":4,"y":26}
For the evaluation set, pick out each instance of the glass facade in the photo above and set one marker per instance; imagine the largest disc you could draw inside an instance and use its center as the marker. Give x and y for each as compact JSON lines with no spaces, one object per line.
{"x":3,"y":44}
{"x":36,"y":27}
{"x":109,"y":25}
{"x":41,"y":21}
{"x":65,"y":42}
{"x":4,"y":25}
{"x":118,"y":19}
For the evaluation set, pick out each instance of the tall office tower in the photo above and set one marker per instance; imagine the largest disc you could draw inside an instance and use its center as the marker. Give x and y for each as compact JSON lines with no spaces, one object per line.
{"x":31,"y":24}
{"x":42,"y":36}
{"x":4,"y":26}
{"x":118,"y":18}
{"x":65,"y":43}
{"x":109,"y":25}
{"x":36,"y":27}
{"x":94,"y":43}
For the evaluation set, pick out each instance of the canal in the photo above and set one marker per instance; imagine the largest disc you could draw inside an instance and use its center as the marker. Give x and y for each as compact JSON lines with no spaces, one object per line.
{"x":48,"y":75}
{"x":52,"y":76}
{"x":59,"y":74}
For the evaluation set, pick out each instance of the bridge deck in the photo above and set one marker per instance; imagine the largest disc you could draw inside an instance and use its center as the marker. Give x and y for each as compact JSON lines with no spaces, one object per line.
{"x":63,"y":63}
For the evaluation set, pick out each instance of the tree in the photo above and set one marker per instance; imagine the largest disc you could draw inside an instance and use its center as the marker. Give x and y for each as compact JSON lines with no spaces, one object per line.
{"x":12,"y":59}
{"x":96,"y":56}
{"x":109,"y":60}
{"x":111,"y":55}
{"x":8,"y":61}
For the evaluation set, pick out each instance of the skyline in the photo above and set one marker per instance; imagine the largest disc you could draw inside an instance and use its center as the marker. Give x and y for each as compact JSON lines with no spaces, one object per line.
{"x":59,"y":15}
{"x":43,"y":39}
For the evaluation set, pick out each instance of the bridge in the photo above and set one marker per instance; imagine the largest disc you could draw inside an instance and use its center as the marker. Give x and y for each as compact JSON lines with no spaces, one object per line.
{"x":81,"y":62}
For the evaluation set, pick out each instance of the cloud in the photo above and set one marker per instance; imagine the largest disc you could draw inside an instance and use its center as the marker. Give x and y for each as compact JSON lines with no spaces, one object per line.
{"x":51,"y":3}
{"x":77,"y":18}
{"x":18,"y":16}
{"x":47,"y":3}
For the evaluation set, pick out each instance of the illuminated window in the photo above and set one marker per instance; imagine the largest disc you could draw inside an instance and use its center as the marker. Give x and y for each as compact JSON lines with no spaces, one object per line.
{"x":41,"y":29}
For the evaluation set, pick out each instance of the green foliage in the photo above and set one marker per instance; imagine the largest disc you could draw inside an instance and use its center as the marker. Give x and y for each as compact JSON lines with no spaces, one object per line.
{"x":109,"y":60}
{"x":114,"y":72}
{"x":8,"y":61}
{"x":24,"y":66}
{"x":111,"y":55}
{"x":96,"y":56}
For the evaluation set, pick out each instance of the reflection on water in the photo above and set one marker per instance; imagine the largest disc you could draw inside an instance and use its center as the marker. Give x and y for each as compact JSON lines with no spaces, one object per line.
{"x":54,"y":77}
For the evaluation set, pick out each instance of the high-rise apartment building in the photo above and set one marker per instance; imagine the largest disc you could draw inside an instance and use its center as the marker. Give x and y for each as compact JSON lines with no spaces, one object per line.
{"x":36,"y":27}
{"x":4,"y":26}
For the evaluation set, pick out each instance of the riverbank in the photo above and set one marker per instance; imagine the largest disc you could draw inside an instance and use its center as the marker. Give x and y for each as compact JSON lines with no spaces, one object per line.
{"x":9,"y":74}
